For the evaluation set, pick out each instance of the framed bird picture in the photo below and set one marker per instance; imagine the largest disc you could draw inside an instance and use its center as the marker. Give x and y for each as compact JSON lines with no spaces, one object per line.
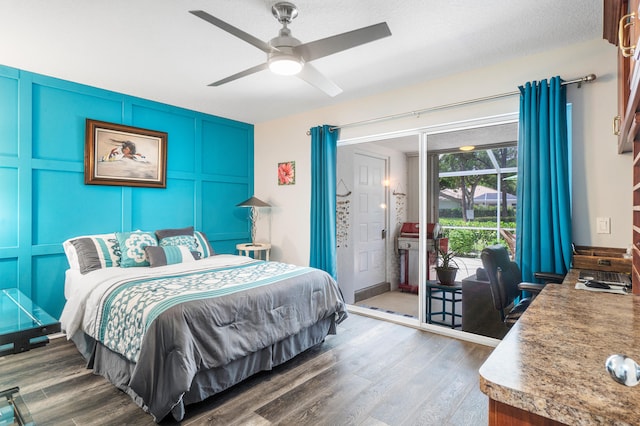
{"x":121,"y":155}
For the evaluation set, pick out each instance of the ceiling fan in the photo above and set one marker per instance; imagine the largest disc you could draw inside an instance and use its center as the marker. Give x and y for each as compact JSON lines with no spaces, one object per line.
{"x":286,"y":55}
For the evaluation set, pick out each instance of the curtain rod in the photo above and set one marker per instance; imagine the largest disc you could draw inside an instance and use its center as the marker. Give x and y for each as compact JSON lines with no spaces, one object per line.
{"x":579,"y":81}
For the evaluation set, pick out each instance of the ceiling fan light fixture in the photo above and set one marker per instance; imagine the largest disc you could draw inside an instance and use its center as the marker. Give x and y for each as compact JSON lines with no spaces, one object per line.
{"x":285,"y":65}
{"x":286,"y":55}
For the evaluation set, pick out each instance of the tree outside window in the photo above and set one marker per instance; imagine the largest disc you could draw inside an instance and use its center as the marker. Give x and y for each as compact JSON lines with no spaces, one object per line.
{"x":477,"y":197}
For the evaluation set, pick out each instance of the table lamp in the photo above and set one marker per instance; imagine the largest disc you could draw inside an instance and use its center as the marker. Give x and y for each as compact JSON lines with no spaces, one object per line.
{"x":255,"y":205}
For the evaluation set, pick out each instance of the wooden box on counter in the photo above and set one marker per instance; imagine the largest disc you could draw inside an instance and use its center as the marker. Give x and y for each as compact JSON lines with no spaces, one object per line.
{"x":601,"y":259}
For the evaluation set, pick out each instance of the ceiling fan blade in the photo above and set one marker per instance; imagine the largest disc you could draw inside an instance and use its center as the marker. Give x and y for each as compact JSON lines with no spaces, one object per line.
{"x":337,"y":43}
{"x":316,"y":79}
{"x":241,"y":74}
{"x":233,"y":30}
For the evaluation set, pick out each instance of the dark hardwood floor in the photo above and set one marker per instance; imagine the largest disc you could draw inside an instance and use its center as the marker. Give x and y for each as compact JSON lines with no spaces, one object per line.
{"x":371,"y":373}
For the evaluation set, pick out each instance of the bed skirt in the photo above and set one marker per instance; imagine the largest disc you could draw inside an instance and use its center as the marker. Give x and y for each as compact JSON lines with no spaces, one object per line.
{"x":118,"y":370}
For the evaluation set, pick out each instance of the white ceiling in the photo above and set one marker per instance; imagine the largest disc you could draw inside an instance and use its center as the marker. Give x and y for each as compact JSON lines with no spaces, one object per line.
{"x":156,"y":50}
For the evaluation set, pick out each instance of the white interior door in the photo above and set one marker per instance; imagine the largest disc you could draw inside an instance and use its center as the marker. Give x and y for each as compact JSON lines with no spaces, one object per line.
{"x":370,"y":221}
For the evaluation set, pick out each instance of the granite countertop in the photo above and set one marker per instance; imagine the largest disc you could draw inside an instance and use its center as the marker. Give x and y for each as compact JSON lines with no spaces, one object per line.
{"x":552,"y":362}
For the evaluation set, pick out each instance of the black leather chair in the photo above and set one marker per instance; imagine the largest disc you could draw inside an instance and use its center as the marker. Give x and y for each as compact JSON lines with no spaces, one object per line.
{"x":505,"y":280}
{"x":478,"y":313}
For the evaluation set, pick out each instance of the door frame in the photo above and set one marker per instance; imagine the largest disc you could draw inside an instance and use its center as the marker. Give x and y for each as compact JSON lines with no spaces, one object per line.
{"x":424,"y":171}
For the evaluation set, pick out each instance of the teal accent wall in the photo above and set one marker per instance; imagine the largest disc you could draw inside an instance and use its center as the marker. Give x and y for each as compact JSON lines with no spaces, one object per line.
{"x":43,"y":198}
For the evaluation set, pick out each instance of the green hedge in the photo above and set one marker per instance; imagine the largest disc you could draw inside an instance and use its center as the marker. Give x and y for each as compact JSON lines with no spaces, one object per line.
{"x":470,"y":242}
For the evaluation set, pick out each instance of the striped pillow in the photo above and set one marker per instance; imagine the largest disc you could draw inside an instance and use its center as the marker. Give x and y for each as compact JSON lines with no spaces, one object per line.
{"x":92,"y":252}
{"x":169,"y":255}
{"x":202,"y":245}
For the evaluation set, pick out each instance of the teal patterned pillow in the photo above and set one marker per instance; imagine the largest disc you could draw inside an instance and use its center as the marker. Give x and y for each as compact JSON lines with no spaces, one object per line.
{"x":179,"y":240}
{"x":173,"y":232}
{"x":197,"y":243}
{"x":132,"y":246}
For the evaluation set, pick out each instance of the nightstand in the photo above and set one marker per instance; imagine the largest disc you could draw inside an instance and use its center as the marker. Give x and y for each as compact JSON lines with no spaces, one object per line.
{"x":13,"y":410}
{"x":256,"y":248}
{"x":23,"y":324}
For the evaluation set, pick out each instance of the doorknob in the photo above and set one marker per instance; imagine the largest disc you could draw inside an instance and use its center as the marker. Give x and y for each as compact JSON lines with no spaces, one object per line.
{"x":384,"y":234}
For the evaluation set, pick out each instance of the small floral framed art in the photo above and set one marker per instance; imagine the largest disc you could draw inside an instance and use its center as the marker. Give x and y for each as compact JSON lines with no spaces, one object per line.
{"x":287,"y":173}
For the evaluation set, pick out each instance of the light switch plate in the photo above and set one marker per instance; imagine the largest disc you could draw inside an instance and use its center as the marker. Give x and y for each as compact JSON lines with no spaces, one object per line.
{"x":603,"y":225}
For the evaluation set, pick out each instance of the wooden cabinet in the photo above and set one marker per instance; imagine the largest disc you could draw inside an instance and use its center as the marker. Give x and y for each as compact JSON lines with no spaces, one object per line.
{"x":621,"y":26}
{"x":632,"y":135}
{"x":629,"y":30}
{"x":501,"y":414}
{"x":635,"y":273}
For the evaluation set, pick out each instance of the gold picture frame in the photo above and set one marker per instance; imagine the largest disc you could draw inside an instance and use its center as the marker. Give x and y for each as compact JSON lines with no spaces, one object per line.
{"x":121,"y":155}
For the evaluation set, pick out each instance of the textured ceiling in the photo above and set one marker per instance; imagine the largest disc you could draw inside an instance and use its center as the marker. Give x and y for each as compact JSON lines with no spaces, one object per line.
{"x":155,"y":49}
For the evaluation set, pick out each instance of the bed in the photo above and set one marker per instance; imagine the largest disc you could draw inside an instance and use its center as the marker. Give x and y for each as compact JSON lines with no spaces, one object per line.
{"x":177,"y":331}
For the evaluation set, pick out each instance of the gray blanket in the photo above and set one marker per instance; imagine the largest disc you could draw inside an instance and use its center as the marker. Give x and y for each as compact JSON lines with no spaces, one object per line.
{"x":201,"y":335}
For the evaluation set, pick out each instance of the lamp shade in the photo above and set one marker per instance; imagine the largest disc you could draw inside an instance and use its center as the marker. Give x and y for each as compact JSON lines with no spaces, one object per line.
{"x":253,"y":202}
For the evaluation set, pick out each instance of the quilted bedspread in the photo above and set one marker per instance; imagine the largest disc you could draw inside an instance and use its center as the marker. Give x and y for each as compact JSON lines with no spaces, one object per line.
{"x":171,"y":326}
{"x":127,"y":310}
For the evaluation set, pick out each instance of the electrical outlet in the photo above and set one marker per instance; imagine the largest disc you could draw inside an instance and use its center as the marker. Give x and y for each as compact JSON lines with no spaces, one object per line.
{"x":603,"y":225}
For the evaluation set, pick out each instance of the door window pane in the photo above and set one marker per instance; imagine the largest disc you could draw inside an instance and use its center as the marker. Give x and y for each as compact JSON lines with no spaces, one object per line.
{"x":477,"y":197}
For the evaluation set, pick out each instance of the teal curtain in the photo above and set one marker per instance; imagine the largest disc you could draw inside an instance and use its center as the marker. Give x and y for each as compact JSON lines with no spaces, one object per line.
{"x":543,"y":220}
{"x":323,"y":198}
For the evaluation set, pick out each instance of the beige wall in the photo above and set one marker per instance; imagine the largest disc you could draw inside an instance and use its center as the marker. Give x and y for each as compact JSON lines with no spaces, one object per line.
{"x":601,"y":177}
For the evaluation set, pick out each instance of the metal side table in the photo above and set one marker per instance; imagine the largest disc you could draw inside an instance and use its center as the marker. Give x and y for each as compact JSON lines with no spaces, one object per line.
{"x":449,"y":296}
{"x":23,"y":324}
{"x":13,"y":410}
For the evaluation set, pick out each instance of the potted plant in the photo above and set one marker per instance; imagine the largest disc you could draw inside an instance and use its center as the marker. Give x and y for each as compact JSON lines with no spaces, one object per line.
{"x":447,"y":268}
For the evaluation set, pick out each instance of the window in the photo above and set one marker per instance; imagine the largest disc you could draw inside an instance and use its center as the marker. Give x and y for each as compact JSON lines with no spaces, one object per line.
{"x":477,"y":197}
